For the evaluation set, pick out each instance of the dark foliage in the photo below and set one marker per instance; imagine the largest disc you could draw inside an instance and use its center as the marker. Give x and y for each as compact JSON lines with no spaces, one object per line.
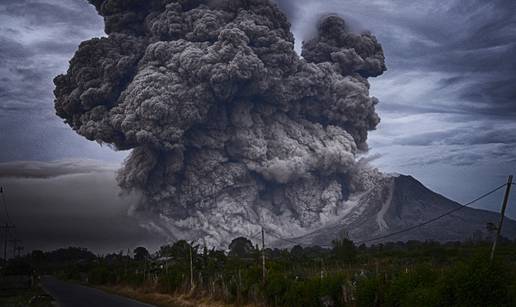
{"x":393,"y":274}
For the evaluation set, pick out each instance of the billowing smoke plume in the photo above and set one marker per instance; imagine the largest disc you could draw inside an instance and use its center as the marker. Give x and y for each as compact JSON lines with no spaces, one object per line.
{"x":229,"y":127}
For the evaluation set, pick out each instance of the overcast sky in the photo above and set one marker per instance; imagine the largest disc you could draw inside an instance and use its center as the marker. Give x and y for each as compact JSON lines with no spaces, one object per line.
{"x":447,"y":104}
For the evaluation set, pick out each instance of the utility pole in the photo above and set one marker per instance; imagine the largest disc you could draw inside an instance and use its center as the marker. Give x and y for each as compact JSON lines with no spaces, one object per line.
{"x":19,"y":249}
{"x":502,"y":215}
{"x":263,"y":256}
{"x":6,"y":229}
{"x":191,"y":269}
{"x":322,"y":268}
{"x":14,"y":242}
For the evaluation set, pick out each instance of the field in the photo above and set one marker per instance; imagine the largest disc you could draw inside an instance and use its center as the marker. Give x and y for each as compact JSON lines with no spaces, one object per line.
{"x":394,"y":274}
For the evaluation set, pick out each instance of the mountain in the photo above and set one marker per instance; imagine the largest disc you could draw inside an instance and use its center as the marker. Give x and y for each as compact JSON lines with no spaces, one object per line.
{"x":399,"y":202}
{"x":387,"y":204}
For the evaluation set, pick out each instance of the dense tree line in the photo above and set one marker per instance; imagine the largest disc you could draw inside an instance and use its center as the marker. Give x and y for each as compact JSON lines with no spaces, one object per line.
{"x":393,"y":274}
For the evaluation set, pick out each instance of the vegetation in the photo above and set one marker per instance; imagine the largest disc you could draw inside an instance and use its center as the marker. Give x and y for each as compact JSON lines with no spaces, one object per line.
{"x":34,"y":297}
{"x":18,"y":287}
{"x":393,"y":274}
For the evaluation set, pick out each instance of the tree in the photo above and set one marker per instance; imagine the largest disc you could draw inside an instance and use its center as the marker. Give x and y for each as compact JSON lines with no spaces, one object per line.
{"x":344,"y":249}
{"x":141,"y":253}
{"x":70,"y":254}
{"x":241,"y":247}
{"x":179,"y":251}
{"x":37,"y":256}
{"x":297,"y":252}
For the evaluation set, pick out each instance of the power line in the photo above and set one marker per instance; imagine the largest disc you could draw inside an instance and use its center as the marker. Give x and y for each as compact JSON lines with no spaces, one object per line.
{"x":502,"y":215}
{"x":255,"y":235}
{"x":282,"y":239}
{"x":433,"y":219}
{"x":462,"y":206}
{"x":290,"y":240}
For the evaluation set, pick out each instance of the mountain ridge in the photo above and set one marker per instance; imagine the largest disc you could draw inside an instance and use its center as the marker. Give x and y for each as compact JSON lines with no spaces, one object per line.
{"x":400,"y":202}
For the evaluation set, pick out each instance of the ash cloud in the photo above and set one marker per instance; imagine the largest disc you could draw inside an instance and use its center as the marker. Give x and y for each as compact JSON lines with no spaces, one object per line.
{"x":229,"y":128}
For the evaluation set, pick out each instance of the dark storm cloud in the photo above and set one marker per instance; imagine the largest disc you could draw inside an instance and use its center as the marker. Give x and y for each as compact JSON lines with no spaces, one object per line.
{"x":448,"y":139}
{"x":45,"y":13}
{"x":37,"y":169}
{"x":72,"y":203}
{"x":28,"y":58}
{"x":481,"y":56}
{"x":452,"y":66}
{"x":36,"y":39}
{"x":457,"y":156}
{"x":453,"y":158}
{"x":471,"y":43}
{"x":15,"y":70}
{"x":460,"y":136}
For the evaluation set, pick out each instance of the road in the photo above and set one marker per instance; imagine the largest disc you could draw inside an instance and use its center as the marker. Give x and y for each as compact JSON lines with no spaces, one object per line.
{"x":73,"y":295}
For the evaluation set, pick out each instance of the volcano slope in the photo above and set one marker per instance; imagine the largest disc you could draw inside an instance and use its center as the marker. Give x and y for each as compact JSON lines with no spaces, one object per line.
{"x":400,"y":202}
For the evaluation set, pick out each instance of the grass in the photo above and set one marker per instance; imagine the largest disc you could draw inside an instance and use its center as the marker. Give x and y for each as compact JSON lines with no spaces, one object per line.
{"x":163,"y":299}
{"x":18,"y":298}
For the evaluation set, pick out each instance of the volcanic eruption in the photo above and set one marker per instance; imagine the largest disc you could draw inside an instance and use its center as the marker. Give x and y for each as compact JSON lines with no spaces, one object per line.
{"x":229,"y":128}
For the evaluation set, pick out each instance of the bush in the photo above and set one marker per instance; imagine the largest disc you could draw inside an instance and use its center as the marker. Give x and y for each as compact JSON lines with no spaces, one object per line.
{"x":275,"y":289}
{"x":303,"y":293}
{"x":101,"y":275}
{"x":413,"y":288}
{"x":476,"y":283}
{"x":331,"y":288}
{"x":173,"y":280}
{"x":368,"y":292}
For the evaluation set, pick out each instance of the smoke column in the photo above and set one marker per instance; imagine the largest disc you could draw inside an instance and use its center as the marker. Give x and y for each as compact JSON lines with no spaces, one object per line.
{"x":228,"y":127}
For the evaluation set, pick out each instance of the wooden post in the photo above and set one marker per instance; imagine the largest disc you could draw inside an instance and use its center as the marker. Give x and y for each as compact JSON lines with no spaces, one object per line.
{"x":263,"y":256}
{"x":191,"y":269}
{"x":322,"y":269}
{"x":6,"y":228}
{"x":15,"y":243}
{"x":19,"y":249}
{"x":502,"y":215}
{"x":239,"y":287}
